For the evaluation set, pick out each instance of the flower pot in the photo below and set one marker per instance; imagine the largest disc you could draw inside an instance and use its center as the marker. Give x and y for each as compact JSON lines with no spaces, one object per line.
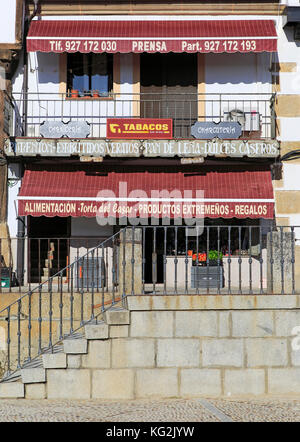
{"x":207,"y":277}
{"x":96,"y":94}
{"x":74,"y":93}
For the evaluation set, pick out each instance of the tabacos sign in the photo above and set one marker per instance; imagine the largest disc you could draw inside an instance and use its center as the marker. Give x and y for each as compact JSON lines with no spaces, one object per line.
{"x":139,"y":128}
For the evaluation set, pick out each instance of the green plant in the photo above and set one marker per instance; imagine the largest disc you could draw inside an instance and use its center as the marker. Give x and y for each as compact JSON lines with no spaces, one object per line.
{"x":214,"y":255}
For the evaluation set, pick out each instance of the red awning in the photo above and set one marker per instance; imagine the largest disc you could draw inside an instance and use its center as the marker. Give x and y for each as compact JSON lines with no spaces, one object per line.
{"x":81,"y":193}
{"x":152,"y":36}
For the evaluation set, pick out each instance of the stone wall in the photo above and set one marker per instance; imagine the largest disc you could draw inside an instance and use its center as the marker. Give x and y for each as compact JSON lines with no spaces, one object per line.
{"x":187,"y":346}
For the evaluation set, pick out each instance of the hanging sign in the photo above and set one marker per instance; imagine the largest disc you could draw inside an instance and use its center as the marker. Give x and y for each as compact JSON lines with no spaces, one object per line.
{"x":59,"y":129}
{"x":30,"y":147}
{"x":139,"y":128}
{"x":223,"y":130}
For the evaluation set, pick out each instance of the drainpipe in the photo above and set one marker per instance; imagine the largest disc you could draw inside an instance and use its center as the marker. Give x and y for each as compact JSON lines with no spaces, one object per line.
{"x":21,"y":243}
{"x":21,"y":219}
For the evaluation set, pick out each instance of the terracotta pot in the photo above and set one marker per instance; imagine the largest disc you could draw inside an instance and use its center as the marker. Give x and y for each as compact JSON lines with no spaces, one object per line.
{"x":74,"y":93}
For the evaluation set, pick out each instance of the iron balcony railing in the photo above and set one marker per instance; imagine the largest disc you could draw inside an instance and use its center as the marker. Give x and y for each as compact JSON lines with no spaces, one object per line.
{"x":247,"y":259}
{"x":255,"y":112}
{"x":168,"y":260}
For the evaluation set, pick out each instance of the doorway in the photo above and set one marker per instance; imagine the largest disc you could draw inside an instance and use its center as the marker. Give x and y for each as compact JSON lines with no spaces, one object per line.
{"x":169,"y":85}
{"x":48,"y":247}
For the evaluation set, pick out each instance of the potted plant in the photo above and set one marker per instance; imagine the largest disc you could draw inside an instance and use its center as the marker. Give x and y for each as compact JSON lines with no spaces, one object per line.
{"x":215,"y":258}
{"x":207,"y":273}
{"x":96,"y":94}
{"x":74,"y":93}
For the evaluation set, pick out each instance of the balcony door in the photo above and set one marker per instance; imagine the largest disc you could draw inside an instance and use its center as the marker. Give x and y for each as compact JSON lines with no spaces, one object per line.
{"x":169,"y":89}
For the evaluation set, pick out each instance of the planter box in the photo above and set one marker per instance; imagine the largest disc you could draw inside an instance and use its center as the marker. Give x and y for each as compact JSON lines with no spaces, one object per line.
{"x":207,"y":277}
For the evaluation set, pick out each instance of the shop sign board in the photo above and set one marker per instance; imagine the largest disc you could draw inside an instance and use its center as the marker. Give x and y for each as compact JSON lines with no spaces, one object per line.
{"x":223,"y":130}
{"x":171,"y":209}
{"x":59,"y":129}
{"x":31,"y":147}
{"x":139,"y":128}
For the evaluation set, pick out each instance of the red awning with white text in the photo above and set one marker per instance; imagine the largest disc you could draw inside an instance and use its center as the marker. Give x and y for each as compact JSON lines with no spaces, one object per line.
{"x":151,"y":36}
{"x":78,"y":193}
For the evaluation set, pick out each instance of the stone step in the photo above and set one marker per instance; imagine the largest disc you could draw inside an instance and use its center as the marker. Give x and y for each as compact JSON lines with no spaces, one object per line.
{"x":75,"y":344}
{"x":33,"y":372}
{"x":55,"y":358}
{"x":12,"y":390}
{"x":33,"y":375}
{"x":96,"y":331}
{"x":117,"y":316}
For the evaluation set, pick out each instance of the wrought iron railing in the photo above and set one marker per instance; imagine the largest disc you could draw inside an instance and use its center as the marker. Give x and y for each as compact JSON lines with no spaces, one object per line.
{"x":248,"y":255}
{"x":45,"y":314}
{"x":255,"y":112}
{"x":204,"y":260}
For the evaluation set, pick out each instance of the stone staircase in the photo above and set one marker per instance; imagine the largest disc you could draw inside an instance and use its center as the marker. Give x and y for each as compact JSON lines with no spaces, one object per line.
{"x":66,"y":371}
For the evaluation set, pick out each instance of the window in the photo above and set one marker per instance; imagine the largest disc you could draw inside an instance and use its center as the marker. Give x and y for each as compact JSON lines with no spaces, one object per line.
{"x":90,"y":73}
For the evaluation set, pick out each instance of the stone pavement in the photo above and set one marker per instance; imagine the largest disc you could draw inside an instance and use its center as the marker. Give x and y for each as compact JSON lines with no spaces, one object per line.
{"x":172,"y":410}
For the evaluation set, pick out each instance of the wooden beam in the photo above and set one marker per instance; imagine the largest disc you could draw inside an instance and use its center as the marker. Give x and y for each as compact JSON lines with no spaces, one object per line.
{"x":176,"y":8}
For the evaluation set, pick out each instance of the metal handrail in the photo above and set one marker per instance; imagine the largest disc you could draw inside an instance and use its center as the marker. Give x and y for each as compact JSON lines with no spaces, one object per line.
{"x":104,"y":305}
{"x":183,"y":108}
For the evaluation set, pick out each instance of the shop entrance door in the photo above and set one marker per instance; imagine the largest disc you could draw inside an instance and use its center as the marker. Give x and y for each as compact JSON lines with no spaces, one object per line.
{"x":48,"y":247}
{"x":169,"y":89}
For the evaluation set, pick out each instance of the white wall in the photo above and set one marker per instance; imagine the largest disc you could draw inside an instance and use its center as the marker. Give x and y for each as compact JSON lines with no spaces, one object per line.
{"x":8,"y":21}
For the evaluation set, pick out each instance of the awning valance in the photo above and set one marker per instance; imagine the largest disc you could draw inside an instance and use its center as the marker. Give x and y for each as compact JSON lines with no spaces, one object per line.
{"x":151,"y":36}
{"x":80,"y":193}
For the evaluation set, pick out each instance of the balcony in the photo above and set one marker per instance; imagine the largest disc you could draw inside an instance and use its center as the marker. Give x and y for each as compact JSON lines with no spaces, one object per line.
{"x":255,"y":112}
{"x":211,"y":259}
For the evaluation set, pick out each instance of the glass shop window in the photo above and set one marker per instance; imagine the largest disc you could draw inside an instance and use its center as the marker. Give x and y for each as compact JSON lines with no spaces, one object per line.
{"x":90,"y":74}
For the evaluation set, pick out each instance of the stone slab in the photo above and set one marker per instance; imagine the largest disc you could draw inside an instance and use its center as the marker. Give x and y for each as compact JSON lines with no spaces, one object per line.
{"x":68,"y":384}
{"x":152,"y":324}
{"x":117,"y":317}
{"x":74,"y":361}
{"x":35,"y":391}
{"x":12,"y":390}
{"x":132,"y":352}
{"x":75,"y":346}
{"x":33,"y":375}
{"x":252,"y":323}
{"x":244,"y":382}
{"x":268,"y":352}
{"x":212,"y":302}
{"x":55,"y":360}
{"x":96,"y":331}
{"x":113,"y":384}
{"x":118,"y":331}
{"x":284,"y":380}
{"x":178,"y":352}
{"x":222,"y":352}
{"x":157,"y":382}
{"x":196,"y":324}
{"x":285,"y":321}
{"x":98,"y":355}
{"x":197,"y":382}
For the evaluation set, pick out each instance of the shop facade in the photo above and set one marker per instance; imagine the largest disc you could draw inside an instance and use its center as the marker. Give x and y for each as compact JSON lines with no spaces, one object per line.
{"x":162,"y":124}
